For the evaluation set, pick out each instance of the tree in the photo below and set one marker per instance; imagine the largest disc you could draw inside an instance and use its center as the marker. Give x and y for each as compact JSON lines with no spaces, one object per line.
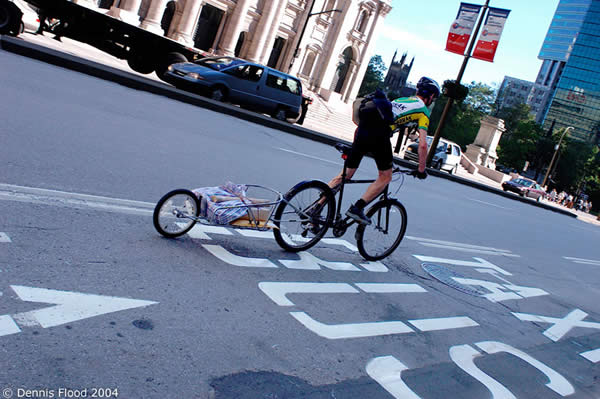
{"x":374,"y":76}
{"x":464,"y":118}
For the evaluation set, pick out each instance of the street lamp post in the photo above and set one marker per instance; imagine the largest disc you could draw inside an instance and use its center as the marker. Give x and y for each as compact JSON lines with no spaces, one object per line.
{"x":556,"y":148}
{"x":310,"y":14}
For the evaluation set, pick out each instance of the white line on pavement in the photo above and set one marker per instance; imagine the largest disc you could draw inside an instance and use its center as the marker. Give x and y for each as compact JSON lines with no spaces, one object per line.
{"x":593,"y":355}
{"x":489,"y":203}
{"x":583,"y":261}
{"x":307,"y":156}
{"x":9,"y":192}
{"x":4,"y":237}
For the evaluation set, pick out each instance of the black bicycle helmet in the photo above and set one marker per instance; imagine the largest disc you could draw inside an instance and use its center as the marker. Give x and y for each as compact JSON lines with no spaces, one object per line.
{"x":427,"y":87}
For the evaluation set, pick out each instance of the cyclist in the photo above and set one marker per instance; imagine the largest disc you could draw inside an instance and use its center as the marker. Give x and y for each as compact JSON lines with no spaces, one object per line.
{"x":373,"y":136}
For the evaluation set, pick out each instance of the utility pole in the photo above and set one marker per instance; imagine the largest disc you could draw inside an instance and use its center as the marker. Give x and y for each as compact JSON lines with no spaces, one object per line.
{"x":440,"y":127}
{"x":556,"y":148}
{"x":310,"y":14}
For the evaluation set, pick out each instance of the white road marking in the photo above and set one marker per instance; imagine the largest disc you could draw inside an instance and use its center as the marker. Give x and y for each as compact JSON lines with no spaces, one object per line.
{"x":489,"y":203}
{"x":583,"y":261}
{"x":308,"y":261}
{"x":557,"y":383}
{"x":389,"y":288}
{"x":199,"y":231}
{"x":308,"y":156}
{"x":8,"y":325}
{"x":4,"y":237}
{"x":277,"y":291}
{"x":69,"y":306}
{"x":560,"y":326}
{"x":593,"y":355}
{"x":387,"y":371}
{"x":9,"y":192}
{"x":443,"y":323}
{"x":479,"y":263}
{"x":463,"y":356}
{"x":235,"y":260}
{"x":460,"y":246}
{"x":376,"y":267}
{"x":352,"y":330}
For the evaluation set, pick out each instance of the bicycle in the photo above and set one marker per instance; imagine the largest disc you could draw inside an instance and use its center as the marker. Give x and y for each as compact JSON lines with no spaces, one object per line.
{"x":308,"y":210}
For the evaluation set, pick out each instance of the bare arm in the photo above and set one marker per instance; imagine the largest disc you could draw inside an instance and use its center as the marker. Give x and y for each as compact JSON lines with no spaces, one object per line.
{"x":422,"y":150}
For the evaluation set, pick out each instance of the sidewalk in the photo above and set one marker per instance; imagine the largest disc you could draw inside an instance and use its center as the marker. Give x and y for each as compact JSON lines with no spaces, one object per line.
{"x":322,"y":123}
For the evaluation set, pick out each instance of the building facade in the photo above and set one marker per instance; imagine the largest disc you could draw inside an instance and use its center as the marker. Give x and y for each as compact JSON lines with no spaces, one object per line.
{"x":326,"y":43}
{"x":571,"y":69}
{"x":397,"y":74}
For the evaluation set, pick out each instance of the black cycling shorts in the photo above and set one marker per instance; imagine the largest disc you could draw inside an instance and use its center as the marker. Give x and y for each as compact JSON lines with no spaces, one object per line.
{"x":376,"y":145}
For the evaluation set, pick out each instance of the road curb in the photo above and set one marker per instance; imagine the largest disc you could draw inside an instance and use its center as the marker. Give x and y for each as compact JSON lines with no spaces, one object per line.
{"x":68,"y":61}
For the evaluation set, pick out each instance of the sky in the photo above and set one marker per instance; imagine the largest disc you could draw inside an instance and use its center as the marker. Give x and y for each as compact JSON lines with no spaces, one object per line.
{"x":420,"y":28}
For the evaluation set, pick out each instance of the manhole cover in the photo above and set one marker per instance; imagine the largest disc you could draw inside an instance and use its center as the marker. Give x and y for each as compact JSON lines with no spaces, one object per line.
{"x":446,"y":276}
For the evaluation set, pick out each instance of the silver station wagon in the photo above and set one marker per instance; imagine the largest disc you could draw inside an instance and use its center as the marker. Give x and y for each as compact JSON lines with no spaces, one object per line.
{"x":252,"y":86}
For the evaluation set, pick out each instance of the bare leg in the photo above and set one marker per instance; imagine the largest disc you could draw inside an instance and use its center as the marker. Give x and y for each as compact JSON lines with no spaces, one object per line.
{"x":375,"y":188}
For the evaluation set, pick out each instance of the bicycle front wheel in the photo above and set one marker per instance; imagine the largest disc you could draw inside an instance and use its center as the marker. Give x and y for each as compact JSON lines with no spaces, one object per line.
{"x":175,"y":212}
{"x":304,"y":216}
{"x":388,"y":225}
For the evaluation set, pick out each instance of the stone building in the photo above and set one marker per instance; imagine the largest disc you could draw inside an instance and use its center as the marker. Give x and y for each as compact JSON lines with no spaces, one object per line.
{"x":326,"y":43}
{"x":397,"y":74}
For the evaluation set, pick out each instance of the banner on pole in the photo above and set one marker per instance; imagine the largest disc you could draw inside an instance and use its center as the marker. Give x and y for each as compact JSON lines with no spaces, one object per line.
{"x":461,"y":29}
{"x":486,"y":46}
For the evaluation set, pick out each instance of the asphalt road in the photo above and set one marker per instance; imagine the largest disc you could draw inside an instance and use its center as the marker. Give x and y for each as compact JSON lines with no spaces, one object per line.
{"x":93,"y":298}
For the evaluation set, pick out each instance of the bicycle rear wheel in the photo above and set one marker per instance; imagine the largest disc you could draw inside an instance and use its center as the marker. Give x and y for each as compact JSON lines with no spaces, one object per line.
{"x":175,"y":212}
{"x":304,"y":216}
{"x":388,"y":225}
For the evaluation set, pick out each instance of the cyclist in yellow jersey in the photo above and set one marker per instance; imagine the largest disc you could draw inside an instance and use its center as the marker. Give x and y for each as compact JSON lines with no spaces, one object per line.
{"x":373,"y":136}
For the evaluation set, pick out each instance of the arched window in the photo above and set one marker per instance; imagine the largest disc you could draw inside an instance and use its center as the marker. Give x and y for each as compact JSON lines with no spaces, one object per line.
{"x":308,"y":63}
{"x":361,"y":25}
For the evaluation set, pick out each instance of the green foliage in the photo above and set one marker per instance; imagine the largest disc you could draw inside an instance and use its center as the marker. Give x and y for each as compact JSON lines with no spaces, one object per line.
{"x":464,"y":118}
{"x":374,"y":76}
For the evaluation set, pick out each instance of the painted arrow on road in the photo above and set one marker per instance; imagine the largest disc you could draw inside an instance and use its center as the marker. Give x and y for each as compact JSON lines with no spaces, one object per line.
{"x":69,"y":307}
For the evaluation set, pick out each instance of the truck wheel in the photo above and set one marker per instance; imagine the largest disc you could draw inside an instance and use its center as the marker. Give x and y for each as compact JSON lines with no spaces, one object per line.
{"x":170,"y":58}
{"x":141,"y":63}
{"x":10,"y":18}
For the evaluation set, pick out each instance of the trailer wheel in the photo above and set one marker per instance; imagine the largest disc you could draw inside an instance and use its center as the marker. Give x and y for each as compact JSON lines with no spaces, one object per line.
{"x":168,"y":59}
{"x":141,"y":62}
{"x":10,"y":18}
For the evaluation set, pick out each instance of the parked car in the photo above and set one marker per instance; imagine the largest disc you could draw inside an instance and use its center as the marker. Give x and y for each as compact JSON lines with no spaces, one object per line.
{"x":447,"y":155}
{"x":525,"y":188}
{"x":252,"y":86}
{"x":26,"y":18}
{"x":505,"y":169}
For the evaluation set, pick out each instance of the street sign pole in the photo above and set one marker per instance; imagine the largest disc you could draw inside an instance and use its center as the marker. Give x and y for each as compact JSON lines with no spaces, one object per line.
{"x":440,"y":127}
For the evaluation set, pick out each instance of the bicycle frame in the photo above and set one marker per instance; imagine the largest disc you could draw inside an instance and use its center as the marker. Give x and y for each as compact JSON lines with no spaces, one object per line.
{"x":338,"y":216}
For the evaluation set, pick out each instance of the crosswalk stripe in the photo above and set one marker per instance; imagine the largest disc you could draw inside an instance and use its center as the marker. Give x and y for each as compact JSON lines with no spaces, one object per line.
{"x":4,"y":237}
{"x":583,"y":261}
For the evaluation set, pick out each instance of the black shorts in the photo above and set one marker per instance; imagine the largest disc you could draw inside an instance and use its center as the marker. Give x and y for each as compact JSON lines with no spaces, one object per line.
{"x":376,"y":145}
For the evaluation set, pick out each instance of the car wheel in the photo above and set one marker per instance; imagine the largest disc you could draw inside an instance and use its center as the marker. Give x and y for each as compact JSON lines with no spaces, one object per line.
{"x":218,"y":93}
{"x":280,"y":114}
{"x":438,"y":164}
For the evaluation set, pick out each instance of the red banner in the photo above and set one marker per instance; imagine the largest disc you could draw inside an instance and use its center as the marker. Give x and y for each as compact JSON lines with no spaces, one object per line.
{"x":486,"y":46}
{"x":461,"y":29}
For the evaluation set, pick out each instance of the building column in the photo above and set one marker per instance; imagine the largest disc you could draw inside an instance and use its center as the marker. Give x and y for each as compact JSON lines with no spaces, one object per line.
{"x":272,"y":34}
{"x":185,"y":30}
{"x":382,"y":10}
{"x":234,"y":28}
{"x":154,"y":17}
{"x":127,"y":11}
{"x":262,"y":30}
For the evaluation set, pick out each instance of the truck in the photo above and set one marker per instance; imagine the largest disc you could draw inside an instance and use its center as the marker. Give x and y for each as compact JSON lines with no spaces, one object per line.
{"x":144,"y":51}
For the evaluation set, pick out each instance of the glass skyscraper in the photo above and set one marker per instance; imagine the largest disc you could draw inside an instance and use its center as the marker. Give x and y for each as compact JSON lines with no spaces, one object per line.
{"x":570,"y":72}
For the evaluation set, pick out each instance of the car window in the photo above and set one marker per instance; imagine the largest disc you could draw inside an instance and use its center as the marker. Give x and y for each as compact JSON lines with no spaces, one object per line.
{"x":524,"y":182}
{"x":246,"y":72}
{"x":218,"y":63}
{"x":283,"y":82}
{"x":455,"y":150}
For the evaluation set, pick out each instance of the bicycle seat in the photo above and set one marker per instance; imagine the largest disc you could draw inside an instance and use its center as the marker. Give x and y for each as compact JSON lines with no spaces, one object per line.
{"x":343,"y":148}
